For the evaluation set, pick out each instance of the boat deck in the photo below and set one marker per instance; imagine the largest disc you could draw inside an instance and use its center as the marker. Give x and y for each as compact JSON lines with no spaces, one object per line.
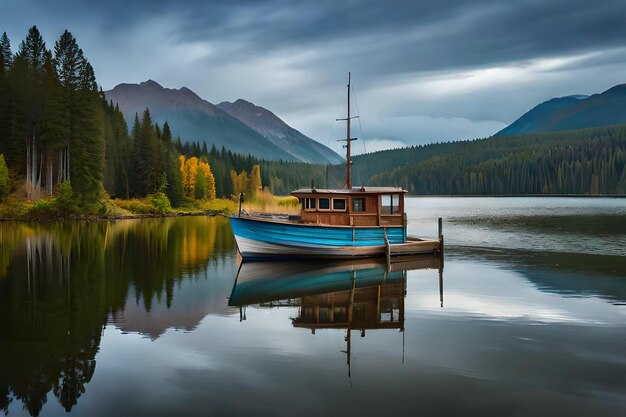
{"x":415,"y":246}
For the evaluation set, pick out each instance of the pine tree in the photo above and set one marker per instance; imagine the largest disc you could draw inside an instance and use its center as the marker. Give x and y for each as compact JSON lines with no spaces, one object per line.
{"x":6,"y":56}
{"x":135,"y":130}
{"x":33,"y":49}
{"x":69,"y":60}
{"x":29,"y":108}
{"x":6,"y":60}
{"x":144,"y":159}
{"x":174,"y":186}
{"x":86,"y":127}
{"x":54,"y":125}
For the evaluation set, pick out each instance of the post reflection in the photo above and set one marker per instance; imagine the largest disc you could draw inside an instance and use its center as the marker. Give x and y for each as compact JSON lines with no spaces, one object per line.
{"x":361,"y":295}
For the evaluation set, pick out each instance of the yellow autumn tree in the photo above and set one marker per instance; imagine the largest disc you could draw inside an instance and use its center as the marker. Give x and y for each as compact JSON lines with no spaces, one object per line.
{"x":240,"y":183}
{"x":188,"y":171}
{"x":254,"y":182}
{"x":210,"y":181}
{"x":181,"y":168}
{"x":205,"y":182}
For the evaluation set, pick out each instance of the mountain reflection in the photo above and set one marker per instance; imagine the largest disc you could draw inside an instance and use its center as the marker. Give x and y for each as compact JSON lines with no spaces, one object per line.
{"x":61,"y":283}
{"x":352,"y":295}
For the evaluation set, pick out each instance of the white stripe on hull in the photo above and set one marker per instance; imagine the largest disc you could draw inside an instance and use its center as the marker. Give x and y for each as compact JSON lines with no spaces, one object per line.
{"x":255,"y":248}
{"x":250,"y":248}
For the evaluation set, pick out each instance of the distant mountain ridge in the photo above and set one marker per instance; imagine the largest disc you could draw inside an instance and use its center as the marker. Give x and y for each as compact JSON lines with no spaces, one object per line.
{"x":572,"y":112}
{"x":280,"y":133}
{"x":195,"y":119}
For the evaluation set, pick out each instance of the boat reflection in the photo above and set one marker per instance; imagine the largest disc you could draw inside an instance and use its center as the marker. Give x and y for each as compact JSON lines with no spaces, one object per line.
{"x":356,"y":295}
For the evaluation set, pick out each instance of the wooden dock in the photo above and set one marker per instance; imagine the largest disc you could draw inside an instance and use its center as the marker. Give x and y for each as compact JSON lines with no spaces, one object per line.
{"x":414,"y":246}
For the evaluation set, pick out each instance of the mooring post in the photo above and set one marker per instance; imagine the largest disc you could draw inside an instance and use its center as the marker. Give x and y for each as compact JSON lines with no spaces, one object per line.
{"x":240,"y":202}
{"x":440,"y":223}
{"x":387,"y":249}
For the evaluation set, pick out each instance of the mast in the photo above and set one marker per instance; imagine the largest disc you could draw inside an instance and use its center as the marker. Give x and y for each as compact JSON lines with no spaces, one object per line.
{"x":348,"y":139}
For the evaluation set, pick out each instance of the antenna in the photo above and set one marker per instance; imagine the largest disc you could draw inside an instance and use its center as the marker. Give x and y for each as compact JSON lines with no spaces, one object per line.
{"x":348,"y":139}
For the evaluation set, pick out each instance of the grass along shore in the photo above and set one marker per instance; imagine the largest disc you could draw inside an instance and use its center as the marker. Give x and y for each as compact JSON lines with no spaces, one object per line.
{"x":58,"y":208}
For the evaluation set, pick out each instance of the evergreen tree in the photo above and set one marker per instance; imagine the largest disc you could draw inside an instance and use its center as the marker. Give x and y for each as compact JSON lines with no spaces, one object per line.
{"x":144,"y":160}
{"x":54,"y":125}
{"x":84,"y":105}
{"x":69,"y":61}
{"x":6,"y":56}
{"x":174,"y":187}
{"x":117,"y":146}
{"x":6,"y":60}
{"x":29,"y":106}
{"x":33,"y":49}
{"x":135,"y":130}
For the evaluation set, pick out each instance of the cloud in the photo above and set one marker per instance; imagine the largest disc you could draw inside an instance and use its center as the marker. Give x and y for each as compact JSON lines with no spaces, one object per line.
{"x":373,"y":145}
{"x":451,"y":69}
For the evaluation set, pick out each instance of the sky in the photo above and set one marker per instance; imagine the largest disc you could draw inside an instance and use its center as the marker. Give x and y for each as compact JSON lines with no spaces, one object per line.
{"x":422,"y":71}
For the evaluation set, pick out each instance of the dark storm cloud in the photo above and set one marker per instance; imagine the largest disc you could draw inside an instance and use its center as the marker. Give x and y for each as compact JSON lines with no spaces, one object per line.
{"x":406,"y":36}
{"x":388,"y":36}
{"x":447,"y":68}
{"x":418,"y":36}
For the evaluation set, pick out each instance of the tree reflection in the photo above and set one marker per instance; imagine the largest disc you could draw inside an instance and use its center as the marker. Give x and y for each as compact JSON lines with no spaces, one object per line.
{"x":60,"y":282}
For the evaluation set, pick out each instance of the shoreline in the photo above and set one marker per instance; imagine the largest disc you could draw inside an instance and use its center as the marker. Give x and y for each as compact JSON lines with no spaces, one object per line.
{"x":103,"y":218}
{"x":213,"y":213}
{"x":517,"y":195}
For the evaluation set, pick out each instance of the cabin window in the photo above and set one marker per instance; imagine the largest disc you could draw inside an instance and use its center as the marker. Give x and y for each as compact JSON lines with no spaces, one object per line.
{"x":358,"y":204}
{"x":324,"y":203}
{"x":339,"y":204}
{"x":308,"y":204}
{"x":390,"y":203}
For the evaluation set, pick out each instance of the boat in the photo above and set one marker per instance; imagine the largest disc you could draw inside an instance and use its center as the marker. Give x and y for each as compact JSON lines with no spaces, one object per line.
{"x":349,"y":222}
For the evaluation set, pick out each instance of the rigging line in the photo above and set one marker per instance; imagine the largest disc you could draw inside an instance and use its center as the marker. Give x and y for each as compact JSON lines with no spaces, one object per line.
{"x":356,"y":105}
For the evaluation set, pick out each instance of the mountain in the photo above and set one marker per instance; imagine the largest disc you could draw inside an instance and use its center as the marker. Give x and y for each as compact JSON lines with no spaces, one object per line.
{"x":193,"y":119}
{"x":573,"y":112}
{"x":280,"y":133}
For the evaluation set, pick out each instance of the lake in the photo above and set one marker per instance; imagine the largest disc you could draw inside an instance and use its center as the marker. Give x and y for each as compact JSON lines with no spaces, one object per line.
{"x":525,"y":316}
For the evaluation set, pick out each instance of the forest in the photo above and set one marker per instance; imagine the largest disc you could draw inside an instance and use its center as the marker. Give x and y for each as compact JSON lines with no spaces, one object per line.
{"x":583,"y":161}
{"x":62,"y":143}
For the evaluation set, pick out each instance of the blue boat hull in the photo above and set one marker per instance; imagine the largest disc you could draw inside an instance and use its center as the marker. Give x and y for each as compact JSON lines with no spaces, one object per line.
{"x":259,"y":282}
{"x":259,"y":238}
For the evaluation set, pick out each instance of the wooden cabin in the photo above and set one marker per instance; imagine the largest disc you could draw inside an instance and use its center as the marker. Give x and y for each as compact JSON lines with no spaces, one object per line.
{"x":364,"y":206}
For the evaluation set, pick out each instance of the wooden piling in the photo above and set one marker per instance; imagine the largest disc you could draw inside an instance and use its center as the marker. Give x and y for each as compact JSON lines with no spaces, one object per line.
{"x":387,"y":249}
{"x":440,"y":223}
{"x":440,"y":234}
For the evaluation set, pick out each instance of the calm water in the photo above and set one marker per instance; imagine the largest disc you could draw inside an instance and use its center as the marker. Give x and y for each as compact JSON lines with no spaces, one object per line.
{"x":147,"y":317}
